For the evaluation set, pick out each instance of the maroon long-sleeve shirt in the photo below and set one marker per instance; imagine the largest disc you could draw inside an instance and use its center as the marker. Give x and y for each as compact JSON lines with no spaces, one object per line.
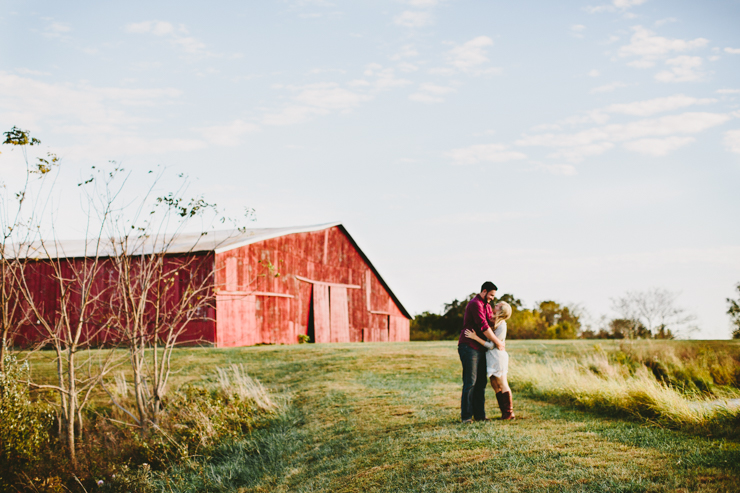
{"x":477,"y":315}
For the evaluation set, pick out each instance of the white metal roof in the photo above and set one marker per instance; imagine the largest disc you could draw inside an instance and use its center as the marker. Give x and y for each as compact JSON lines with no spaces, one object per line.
{"x":211,"y":241}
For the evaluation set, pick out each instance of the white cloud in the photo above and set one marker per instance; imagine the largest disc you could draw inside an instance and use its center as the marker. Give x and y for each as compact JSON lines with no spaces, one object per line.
{"x":422,"y":3}
{"x":27,"y":71}
{"x":431,"y":93}
{"x":658,"y":105}
{"x":291,"y":115}
{"x":732,"y":51}
{"x":413,"y":19}
{"x":574,"y":147}
{"x":577,"y":29}
{"x":471,"y":56}
{"x":57,"y":30}
{"x":494,"y":153}
{"x":728,"y":91}
{"x":684,"y":69}
{"x":594,"y":73}
{"x":227,"y":135}
{"x":407,"y":67}
{"x":622,"y":5}
{"x":667,"y":20}
{"x":408,"y":51}
{"x":177,"y":36}
{"x":560,"y":169}
{"x":649,"y":47}
{"x":385,"y":78}
{"x":641,"y":63}
{"x":732,"y":140}
{"x":658,"y":147}
{"x":578,"y":153}
{"x":329,"y":96}
{"x":109,"y":118}
{"x":35,"y":102}
{"x":158,"y":28}
{"x":608,"y":87}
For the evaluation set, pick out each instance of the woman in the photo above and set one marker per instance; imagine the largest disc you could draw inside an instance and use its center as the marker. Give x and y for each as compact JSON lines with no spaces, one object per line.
{"x":497,"y":360}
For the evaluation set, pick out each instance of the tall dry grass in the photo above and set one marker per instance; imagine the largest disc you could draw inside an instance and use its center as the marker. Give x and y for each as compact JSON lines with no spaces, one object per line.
{"x":626,"y":383}
{"x":237,"y":382}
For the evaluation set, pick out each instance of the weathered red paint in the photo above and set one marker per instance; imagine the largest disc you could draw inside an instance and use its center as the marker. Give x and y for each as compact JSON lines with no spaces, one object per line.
{"x":316,"y":283}
{"x":334,"y":291}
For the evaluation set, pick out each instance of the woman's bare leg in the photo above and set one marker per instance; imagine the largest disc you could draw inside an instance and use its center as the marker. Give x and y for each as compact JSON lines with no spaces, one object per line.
{"x":504,"y":384}
{"x":495,"y":385}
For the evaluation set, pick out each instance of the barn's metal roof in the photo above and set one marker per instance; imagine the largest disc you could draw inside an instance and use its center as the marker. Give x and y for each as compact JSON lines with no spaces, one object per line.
{"x":212,"y":241}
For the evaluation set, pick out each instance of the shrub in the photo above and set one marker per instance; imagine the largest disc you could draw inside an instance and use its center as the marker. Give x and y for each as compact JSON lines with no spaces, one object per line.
{"x":25,"y":424}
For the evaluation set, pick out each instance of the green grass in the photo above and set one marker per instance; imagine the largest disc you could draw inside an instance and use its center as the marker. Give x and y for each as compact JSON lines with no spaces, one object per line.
{"x":385,"y":417}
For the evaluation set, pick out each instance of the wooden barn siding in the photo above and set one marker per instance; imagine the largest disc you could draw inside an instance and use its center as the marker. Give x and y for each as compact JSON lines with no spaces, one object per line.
{"x":45,"y":290}
{"x":327,"y":256}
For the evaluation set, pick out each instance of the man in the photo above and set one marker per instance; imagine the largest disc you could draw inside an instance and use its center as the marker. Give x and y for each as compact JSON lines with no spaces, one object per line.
{"x":473,"y":355}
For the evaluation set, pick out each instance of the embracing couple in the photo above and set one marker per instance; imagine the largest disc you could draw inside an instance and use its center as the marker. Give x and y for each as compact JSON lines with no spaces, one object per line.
{"x":483,"y":355}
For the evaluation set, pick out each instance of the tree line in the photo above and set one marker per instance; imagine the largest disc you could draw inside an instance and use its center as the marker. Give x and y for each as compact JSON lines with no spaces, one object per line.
{"x":649,"y":314}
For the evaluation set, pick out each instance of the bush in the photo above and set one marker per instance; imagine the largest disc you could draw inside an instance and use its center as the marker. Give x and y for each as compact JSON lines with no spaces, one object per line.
{"x":25,"y":424}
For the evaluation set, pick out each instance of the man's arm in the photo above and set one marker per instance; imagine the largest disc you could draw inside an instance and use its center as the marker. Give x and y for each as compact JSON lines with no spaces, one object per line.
{"x":501,"y":345}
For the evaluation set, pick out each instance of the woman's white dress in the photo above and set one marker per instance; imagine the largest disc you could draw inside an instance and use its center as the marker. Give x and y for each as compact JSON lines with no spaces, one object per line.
{"x":497,"y":362}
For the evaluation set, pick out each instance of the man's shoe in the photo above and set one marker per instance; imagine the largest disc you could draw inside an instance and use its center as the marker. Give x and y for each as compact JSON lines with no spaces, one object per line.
{"x":466,"y":421}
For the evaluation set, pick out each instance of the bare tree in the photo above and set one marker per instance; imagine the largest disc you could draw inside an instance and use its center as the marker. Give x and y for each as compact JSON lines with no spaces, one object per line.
{"x":17,"y":210}
{"x":159,"y":295}
{"x":61,"y":294}
{"x":654,"y":309}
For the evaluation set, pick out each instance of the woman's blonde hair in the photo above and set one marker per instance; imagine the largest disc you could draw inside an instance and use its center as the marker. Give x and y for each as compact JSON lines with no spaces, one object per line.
{"x":504,"y":315}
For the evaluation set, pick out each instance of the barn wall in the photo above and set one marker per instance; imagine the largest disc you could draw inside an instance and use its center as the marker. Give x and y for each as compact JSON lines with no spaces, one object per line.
{"x":45,"y":290}
{"x":283,"y":304}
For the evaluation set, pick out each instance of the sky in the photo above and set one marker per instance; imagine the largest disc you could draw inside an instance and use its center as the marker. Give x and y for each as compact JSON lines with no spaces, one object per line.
{"x":570,"y":151}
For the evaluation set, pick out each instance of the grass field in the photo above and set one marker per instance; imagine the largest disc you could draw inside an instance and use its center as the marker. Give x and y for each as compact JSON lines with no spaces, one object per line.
{"x":385,"y":417}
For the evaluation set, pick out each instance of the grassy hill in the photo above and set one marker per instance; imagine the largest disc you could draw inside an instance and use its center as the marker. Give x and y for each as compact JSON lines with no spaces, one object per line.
{"x":385,"y":417}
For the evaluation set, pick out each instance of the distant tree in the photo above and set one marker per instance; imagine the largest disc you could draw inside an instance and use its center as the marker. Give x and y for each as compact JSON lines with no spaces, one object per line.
{"x":429,"y":326}
{"x":549,"y":320}
{"x":734,"y":312}
{"x":515,"y":303}
{"x":653,"y":311}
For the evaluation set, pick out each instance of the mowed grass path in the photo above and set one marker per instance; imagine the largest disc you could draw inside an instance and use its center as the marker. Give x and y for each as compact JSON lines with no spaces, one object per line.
{"x":385,"y":417}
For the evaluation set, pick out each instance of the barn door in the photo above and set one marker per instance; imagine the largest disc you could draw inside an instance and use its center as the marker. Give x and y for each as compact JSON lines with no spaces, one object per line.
{"x":321,"y":316}
{"x":339,"y":312}
{"x":330,"y":313}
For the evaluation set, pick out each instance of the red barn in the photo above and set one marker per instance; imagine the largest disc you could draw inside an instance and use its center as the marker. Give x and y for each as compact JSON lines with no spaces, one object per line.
{"x":273,"y":285}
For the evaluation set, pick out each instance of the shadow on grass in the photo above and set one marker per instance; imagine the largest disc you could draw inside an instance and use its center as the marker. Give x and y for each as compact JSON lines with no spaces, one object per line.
{"x":259,"y":459}
{"x":690,"y":450}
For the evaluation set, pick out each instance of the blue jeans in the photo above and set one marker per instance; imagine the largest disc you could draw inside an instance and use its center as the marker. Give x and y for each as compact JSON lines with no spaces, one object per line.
{"x":473,"y":400}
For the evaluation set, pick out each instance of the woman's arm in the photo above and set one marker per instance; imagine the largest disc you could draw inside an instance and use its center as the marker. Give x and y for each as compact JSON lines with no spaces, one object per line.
{"x":472,"y":335}
{"x":501,"y":345}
